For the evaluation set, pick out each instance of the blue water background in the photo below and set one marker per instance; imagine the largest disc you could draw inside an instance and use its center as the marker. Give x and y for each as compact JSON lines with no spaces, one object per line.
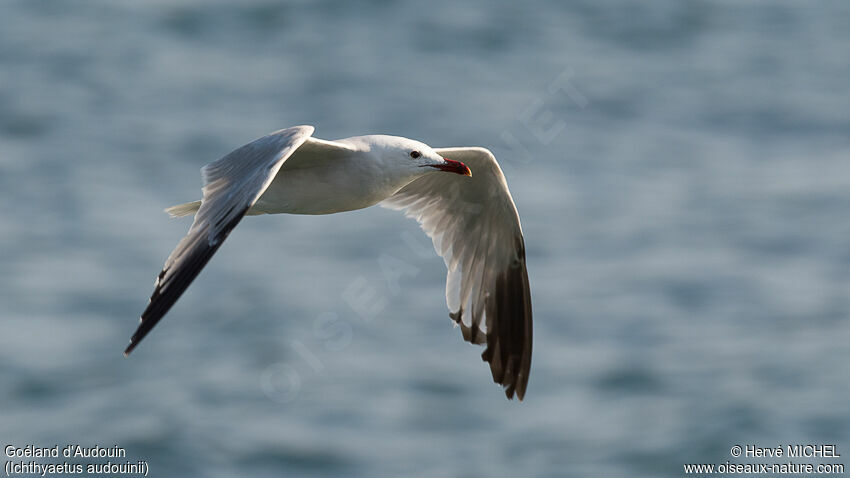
{"x":682,"y":170}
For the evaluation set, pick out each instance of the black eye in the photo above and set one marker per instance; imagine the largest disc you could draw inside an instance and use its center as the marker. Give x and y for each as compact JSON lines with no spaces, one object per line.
{"x":415,"y":154}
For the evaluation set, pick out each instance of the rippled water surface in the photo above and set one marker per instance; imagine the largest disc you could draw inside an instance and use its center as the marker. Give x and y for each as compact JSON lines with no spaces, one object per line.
{"x":682,"y":170}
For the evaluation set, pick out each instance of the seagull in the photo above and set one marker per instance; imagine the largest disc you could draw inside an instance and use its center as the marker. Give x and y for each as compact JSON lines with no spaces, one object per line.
{"x":471,"y":219}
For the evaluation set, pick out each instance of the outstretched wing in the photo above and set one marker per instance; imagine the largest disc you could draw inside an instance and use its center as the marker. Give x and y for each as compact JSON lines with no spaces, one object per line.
{"x":475,"y":228}
{"x":231,"y":185}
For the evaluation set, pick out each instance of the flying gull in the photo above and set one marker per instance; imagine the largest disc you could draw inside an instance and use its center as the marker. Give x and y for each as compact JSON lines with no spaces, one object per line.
{"x":471,"y":219}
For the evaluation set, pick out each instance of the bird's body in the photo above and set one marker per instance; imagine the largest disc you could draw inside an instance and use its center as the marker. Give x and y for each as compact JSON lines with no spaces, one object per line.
{"x":472,"y":221}
{"x":323,"y":178}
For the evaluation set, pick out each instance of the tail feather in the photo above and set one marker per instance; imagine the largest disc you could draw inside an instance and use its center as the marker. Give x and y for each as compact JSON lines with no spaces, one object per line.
{"x":181,"y":210}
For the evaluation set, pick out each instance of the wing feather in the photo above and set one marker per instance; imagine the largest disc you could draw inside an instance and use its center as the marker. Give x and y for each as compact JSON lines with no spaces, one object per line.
{"x":475,"y":227}
{"x":231,"y":186}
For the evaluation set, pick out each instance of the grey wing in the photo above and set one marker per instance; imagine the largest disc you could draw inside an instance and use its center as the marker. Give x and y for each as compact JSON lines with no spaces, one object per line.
{"x":231,"y":186}
{"x":475,"y":227}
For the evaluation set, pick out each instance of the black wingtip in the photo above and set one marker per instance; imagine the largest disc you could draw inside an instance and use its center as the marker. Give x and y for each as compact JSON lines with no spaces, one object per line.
{"x":509,"y":328}
{"x":134,"y":340}
{"x":144,"y":327}
{"x":169,"y":289}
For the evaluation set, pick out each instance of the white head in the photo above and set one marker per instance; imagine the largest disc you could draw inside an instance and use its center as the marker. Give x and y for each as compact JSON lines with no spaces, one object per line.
{"x":409,"y":157}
